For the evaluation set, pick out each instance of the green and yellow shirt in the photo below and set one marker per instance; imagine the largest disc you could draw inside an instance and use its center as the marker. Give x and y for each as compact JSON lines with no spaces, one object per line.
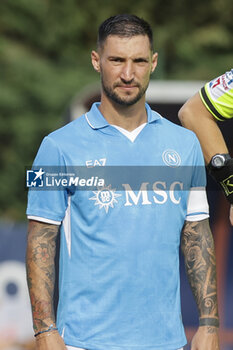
{"x":217,"y":95}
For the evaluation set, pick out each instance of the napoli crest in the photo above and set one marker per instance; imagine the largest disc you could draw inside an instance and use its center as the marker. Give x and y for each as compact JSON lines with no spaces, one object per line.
{"x":171,"y":158}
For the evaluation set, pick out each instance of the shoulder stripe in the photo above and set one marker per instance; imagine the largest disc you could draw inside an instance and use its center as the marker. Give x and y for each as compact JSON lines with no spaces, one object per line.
{"x":210,"y":106}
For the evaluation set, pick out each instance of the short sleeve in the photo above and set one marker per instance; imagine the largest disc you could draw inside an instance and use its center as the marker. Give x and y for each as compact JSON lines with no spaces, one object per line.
{"x":47,"y":205}
{"x":217,"y":96}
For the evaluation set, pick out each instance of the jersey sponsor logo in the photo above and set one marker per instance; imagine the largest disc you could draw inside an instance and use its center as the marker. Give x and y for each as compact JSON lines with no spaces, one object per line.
{"x":216,"y":83}
{"x":229,"y":77}
{"x":161,"y":193}
{"x":106,"y":197}
{"x":222,"y":82}
{"x":171,"y":158}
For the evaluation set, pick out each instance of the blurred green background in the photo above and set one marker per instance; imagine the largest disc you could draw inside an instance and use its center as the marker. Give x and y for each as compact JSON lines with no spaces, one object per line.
{"x":45,"y":60}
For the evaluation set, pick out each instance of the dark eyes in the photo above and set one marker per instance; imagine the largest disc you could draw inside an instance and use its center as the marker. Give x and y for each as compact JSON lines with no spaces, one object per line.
{"x":119,"y":59}
{"x":116,"y":59}
{"x":140,"y":60}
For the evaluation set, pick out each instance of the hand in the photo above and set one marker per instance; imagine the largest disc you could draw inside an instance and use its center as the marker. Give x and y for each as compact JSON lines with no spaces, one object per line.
{"x":50,"y":341}
{"x":231,"y":214}
{"x":206,"y":338}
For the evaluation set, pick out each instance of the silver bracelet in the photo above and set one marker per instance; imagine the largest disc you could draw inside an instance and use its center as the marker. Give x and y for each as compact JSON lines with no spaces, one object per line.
{"x":51,"y":328}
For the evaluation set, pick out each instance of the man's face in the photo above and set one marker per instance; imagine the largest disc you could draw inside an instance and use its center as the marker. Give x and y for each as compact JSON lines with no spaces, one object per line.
{"x":125,"y":65}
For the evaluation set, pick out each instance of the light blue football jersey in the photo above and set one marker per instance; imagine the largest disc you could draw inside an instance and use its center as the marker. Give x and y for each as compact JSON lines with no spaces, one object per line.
{"x":119,"y":257}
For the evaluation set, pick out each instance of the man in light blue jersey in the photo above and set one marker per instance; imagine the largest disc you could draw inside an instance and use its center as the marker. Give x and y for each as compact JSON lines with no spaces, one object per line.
{"x":119,"y":253}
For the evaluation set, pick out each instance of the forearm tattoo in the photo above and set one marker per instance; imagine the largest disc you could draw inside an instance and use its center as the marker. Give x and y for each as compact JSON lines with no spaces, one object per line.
{"x":41,"y":250}
{"x":198,"y":248}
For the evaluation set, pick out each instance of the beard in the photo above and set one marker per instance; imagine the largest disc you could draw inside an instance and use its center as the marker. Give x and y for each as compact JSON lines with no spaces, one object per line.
{"x":123,"y":100}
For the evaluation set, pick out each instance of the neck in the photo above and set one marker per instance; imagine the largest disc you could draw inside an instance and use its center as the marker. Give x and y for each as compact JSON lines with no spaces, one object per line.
{"x":127,"y":117}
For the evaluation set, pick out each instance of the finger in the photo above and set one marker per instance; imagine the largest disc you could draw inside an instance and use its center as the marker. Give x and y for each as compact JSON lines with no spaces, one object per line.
{"x":231,"y":215}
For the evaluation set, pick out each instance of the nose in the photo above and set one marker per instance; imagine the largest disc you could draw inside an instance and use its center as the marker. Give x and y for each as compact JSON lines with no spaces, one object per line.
{"x":127,"y":73}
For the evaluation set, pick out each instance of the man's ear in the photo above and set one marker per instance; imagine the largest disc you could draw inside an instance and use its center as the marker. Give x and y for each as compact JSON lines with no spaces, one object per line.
{"x":154,"y":61}
{"x":95,"y":59}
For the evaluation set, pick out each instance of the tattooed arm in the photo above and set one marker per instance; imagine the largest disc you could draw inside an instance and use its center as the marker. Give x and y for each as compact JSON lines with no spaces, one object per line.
{"x":41,"y":248}
{"x":198,"y":248}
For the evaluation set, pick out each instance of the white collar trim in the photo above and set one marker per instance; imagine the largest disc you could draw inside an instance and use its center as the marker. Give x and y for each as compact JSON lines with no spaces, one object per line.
{"x":131,"y":134}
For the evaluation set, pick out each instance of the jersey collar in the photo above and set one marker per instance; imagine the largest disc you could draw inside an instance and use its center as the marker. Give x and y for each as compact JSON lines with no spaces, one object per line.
{"x":97,"y":121}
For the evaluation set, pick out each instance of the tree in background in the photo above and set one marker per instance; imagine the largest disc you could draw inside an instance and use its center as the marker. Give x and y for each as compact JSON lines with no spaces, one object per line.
{"x":44,"y":60}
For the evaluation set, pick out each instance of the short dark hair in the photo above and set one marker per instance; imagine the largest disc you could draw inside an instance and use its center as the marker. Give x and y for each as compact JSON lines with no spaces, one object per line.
{"x":124,"y":25}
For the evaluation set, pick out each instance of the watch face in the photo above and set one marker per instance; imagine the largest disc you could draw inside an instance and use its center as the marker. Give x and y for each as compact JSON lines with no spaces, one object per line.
{"x":218,"y":161}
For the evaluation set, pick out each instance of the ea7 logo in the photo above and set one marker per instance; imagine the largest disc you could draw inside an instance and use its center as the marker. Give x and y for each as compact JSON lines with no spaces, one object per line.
{"x":96,"y":162}
{"x":160,"y":193}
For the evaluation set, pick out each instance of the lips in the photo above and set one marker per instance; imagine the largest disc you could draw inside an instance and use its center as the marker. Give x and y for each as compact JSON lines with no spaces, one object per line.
{"x":127,"y":86}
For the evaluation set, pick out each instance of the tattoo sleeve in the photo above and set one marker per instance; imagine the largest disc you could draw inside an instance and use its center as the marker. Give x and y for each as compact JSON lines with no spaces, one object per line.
{"x":198,"y":248}
{"x":41,"y":248}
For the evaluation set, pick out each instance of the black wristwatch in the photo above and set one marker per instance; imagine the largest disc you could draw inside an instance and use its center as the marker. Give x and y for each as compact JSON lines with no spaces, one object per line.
{"x":221,"y":169}
{"x":219,"y":160}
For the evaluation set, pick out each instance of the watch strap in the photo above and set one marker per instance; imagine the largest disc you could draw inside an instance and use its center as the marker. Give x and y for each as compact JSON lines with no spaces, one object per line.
{"x":224,"y":177}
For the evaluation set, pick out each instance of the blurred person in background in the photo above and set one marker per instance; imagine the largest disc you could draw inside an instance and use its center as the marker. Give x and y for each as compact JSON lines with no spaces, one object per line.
{"x":12,"y":345}
{"x":119,"y":254}
{"x":200,"y":113}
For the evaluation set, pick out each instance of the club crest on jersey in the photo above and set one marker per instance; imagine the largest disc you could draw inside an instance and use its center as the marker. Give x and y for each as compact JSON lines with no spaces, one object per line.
{"x":171,"y":158}
{"x":105,"y":197}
